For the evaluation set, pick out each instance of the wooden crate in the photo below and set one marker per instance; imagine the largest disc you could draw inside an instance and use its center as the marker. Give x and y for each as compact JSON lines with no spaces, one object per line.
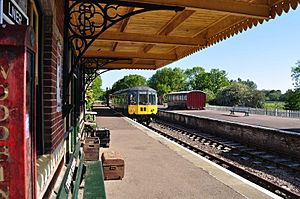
{"x":104,"y":135}
{"x":113,"y":165}
{"x":91,"y":148}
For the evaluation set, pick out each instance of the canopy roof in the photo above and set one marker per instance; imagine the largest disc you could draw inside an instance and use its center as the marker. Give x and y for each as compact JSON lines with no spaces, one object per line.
{"x":153,"y":39}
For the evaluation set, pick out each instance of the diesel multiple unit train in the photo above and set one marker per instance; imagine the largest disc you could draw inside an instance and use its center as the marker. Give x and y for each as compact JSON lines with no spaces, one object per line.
{"x":139,"y":103}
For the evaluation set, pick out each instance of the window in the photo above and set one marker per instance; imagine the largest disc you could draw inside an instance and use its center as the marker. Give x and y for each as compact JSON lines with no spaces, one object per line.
{"x":152,"y":99}
{"x":133,"y":98}
{"x":143,"y":98}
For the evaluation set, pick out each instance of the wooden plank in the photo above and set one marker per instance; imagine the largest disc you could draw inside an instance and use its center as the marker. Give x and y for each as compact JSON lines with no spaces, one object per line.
{"x":123,"y":27}
{"x":130,"y":66}
{"x":130,"y":55}
{"x":233,"y":7}
{"x":151,"y":39}
{"x":175,"y":22}
{"x":196,"y":23}
{"x":170,"y":26}
{"x":224,"y":25}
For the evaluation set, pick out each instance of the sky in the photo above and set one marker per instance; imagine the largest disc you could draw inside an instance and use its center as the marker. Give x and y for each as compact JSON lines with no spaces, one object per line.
{"x":264,"y":54}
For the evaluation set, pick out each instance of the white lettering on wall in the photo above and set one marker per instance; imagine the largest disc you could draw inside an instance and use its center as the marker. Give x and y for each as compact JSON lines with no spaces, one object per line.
{"x":14,"y":13}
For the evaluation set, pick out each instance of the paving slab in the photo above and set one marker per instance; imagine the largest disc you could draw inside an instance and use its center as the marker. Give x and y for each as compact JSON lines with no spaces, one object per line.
{"x":158,"y":168}
{"x":282,"y":123}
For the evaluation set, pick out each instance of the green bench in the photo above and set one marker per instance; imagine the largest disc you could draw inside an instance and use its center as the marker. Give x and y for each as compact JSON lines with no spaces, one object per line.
{"x":77,"y":171}
{"x":94,"y":181}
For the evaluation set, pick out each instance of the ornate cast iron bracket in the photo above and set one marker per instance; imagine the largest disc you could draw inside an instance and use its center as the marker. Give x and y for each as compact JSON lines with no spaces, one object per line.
{"x":92,"y":64}
{"x":91,"y":75}
{"x":88,"y":19}
{"x":96,"y":62}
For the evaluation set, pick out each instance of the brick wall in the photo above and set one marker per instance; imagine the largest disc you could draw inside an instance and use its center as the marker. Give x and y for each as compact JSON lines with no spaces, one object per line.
{"x":53,"y":120}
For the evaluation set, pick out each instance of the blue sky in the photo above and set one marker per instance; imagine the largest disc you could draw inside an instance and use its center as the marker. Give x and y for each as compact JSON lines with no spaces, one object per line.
{"x":263,"y":54}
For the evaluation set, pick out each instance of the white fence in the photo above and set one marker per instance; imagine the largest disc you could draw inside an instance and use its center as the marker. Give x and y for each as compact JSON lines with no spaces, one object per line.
{"x":260,"y":111}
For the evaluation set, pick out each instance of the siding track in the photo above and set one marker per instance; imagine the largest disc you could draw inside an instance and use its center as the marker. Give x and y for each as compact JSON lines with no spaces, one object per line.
{"x":280,"y":175}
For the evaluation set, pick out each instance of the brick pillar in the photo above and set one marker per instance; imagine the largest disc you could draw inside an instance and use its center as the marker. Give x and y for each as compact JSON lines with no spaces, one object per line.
{"x":54,"y":123}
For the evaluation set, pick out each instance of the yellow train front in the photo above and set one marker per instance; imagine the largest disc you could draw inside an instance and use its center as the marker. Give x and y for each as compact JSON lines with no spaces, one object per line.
{"x":139,"y":103}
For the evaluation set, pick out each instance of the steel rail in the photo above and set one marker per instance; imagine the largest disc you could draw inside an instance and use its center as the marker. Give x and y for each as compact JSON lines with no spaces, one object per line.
{"x":243,"y":150}
{"x":240,"y":171}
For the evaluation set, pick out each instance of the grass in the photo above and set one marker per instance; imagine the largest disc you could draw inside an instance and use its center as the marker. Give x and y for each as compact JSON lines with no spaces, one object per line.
{"x":273,"y":105}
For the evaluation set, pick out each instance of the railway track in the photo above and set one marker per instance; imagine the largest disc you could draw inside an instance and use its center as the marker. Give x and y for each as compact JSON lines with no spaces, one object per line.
{"x":279,"y":175}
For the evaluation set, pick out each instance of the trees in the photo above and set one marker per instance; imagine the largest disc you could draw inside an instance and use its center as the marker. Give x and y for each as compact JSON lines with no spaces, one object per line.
{"x":248,"y":83}
{"x":168,"y":80}
{"x":296,"y":74}
{"x":213,"y":80}
{"x":96,"y":88}
{"x":191,"y":77}
{"x":239,"y":94}
{"x":273,"y":95}
{"x":232,"y":95}
{"x":209,"y":82}
{"x":292,"y":97}
{"x":93,"y":92}
{"x":128,"y":82}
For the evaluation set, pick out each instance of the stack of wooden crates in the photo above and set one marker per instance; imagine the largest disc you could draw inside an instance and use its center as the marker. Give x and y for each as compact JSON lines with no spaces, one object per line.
{"x":112,"y":161}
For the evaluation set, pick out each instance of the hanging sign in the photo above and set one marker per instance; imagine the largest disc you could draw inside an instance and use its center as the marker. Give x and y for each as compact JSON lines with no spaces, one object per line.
{"x":1,"y":11}
{"x":11,"y":13}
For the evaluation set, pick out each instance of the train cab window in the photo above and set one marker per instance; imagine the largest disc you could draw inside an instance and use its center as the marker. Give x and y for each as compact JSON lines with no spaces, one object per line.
{"x":152,"y":98}
{"x":143,"y":97}
{"x":133,"y":98}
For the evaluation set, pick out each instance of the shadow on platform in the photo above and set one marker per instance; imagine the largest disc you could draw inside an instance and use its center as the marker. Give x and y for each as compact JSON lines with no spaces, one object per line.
{"x":104,"y":111}
{"x":296,"y":130}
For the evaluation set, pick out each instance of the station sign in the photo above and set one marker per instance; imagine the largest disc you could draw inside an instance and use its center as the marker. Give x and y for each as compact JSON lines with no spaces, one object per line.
{"x":11,"y":13}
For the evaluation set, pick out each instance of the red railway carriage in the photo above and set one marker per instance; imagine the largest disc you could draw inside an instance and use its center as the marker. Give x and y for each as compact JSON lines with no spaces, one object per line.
{"x":186,"y":100}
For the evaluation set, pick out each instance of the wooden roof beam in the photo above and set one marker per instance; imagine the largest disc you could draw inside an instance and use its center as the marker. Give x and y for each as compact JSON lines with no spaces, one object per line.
{"x":151,"y":39}
{"x":130,"y":55}
{"x":179,"y":18}
{"x":130,"y":66}
{"x":274,"y":2}
{"x":123,"y":27}
{"x":232,"y":7}
{"x":175,"y":22}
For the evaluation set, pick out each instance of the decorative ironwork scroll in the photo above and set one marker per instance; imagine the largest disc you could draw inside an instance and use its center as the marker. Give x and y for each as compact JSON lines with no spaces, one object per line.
{"x":88,"y":19}
{"x":91,"y":75}
{"x":95,"y":62}
{"x":91,"y":65}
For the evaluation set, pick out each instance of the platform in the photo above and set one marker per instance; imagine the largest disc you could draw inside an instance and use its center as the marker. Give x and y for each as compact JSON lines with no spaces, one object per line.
{"x":158,"y":168}
{"x":282,"y":123}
